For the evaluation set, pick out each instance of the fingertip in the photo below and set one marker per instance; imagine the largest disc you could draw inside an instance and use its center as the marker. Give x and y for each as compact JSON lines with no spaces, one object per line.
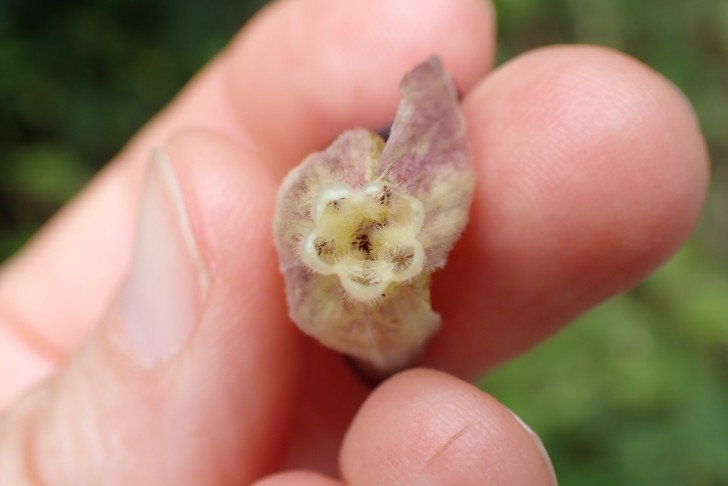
{"x":305,"y":71}
{"x":297,"y":478}
{"x":591,"y":172}
{"x":587,"y":127}
{"x":426,"y":427}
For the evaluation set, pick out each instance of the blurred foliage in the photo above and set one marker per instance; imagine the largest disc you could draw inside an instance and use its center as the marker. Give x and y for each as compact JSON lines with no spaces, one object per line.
{"x":78,"y":78}
{"x":635,"y":392}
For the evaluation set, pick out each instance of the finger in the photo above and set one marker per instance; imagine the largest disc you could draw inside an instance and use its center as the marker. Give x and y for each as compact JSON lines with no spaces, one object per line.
{"x":191,"y":377}
{"x":424,"y":427}
{"x":331,"y":394}
{"x":302,"y":72}
{"x":591,"y":172}
{"x":342,"y":69}
{"x":298,"y":478}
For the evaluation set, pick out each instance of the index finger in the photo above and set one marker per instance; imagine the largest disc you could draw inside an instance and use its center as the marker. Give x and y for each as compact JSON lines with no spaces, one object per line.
{"x":302,"y":71}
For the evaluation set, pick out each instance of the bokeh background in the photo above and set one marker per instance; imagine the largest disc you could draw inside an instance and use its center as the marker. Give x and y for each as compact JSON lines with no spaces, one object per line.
{"x":634,"y":393}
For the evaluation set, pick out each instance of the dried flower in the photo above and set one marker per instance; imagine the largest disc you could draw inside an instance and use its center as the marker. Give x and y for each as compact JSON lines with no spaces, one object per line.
{"x":361,"y":226}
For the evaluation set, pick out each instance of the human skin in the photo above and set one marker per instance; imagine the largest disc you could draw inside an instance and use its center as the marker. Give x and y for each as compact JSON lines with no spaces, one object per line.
{"x":175,"y":363}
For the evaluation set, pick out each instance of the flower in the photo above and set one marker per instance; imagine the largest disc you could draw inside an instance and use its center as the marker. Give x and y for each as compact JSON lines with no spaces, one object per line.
{"x":360,"y":226}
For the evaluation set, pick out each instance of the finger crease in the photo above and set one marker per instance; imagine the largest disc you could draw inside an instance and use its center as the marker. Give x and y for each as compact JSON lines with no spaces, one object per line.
{"x":29,"y":462}
{"x":27,"y":337}
{"x":444,"y":447}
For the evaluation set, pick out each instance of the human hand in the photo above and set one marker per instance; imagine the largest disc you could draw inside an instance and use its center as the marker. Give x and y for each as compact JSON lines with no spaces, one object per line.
{"x":160,"y":351}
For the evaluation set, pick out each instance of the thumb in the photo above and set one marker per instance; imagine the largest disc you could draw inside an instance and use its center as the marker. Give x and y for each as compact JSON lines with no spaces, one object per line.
{"x":189,"y":377}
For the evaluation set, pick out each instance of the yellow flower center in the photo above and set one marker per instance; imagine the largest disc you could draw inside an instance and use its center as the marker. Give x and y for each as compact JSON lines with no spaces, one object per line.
{"x":366,"y":236}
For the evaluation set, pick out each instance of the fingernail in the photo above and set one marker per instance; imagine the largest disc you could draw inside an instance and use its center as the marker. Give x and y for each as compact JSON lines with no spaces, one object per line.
{"x":541,"y":448}
{"x":161,"y":298}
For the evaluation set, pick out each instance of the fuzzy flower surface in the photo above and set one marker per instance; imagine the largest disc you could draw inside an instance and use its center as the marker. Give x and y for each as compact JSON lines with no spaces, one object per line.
{"x":361,"y":226}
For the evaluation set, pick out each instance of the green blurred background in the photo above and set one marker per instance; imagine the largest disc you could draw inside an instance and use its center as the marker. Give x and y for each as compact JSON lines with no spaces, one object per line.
{"x":636,"y":392}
